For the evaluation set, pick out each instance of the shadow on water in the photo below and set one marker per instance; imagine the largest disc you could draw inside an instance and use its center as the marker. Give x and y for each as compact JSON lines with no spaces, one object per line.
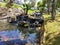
{"x":13,"y":35}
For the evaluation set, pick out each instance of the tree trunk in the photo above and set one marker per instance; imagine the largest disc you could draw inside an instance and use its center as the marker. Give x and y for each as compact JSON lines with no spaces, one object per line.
{"x":48,"y":6}
{"x":26,"y":10}
{"x":53,"y":12}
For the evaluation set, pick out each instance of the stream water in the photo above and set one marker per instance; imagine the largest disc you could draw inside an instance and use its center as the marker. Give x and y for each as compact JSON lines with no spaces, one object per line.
{"x":11,"y":34}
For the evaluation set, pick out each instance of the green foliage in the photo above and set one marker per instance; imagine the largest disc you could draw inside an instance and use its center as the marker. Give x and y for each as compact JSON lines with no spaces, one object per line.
{"x":17,"y":6}
{"x":26,"y":6}
{"x":41,"y":5}
{"x":2,"y":4}
{"x":58,"y":3}
{"x":31,"y":11}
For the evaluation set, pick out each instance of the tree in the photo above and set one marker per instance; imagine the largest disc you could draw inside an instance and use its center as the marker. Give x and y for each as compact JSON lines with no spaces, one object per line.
{"x":41,"y":5}
{"x":49,"y":6}
{"x":53,"y":12}
{"x":58,"y":3}
{"x":26,"y":7}
{"x":33,"y":3}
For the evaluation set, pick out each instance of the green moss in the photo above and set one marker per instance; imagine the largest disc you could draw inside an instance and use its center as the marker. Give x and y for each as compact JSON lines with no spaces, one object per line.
{"x":30,"y":11}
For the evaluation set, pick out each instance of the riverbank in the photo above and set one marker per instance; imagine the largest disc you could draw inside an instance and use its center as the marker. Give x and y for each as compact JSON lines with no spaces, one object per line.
{"x":6,"y":26}
{"x":52,"y":31}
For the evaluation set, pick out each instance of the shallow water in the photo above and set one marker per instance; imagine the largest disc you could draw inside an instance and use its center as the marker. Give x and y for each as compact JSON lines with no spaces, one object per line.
{"x":14,"y":34}
{"x":7,"y":26}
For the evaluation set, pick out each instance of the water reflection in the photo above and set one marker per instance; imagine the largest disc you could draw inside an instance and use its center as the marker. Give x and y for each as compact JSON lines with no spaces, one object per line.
{"x":15,"y":36}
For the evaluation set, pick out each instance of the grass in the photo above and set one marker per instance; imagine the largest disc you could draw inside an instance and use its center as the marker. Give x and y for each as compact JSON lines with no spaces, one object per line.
{"x":52,"y":32}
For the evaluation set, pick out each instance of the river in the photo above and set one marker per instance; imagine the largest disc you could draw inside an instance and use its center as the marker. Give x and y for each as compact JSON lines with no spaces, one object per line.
{"x":16,"y":35}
